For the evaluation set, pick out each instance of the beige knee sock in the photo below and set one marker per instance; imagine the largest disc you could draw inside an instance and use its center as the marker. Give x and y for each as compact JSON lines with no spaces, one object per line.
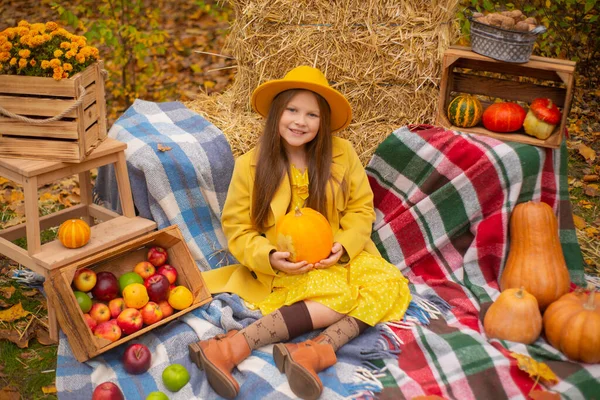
{"x":279,"y":326}
{"x":343,"y":331}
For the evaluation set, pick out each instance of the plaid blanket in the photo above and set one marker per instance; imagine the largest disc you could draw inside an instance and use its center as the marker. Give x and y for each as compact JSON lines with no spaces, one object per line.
{"x":443,"y":203}
{"x":186,"y":185}
{"x":179,"y":167}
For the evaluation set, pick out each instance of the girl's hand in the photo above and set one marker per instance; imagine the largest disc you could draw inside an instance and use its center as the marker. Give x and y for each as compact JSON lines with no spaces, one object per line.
{"x":279,"y":261}
{"x":337,"y":251}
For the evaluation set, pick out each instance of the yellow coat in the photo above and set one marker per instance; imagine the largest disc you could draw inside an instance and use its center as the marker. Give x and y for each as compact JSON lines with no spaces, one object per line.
{"x":351,"y":221}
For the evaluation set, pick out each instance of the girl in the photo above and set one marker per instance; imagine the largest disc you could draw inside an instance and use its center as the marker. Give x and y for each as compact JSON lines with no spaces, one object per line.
{"x":298,"y":163}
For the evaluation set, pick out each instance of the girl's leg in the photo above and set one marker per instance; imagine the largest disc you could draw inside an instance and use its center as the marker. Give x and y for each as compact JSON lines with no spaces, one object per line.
{"x":218,"y":356}
{"x":302,"y":361}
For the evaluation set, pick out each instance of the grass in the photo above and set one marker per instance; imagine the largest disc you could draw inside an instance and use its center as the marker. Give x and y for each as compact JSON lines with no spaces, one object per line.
{"x":28,"y":369}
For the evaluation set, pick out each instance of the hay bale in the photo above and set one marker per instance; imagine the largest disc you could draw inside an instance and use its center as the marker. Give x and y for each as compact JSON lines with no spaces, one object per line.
{"x":385,"y":56}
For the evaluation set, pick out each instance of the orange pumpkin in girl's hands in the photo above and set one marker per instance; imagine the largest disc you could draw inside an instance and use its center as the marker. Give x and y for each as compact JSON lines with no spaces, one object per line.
{"x":74,"y":233}
{"x":306,"y":234}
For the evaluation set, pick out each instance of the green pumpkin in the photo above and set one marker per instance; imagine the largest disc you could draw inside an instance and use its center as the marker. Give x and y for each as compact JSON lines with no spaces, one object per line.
{"x":465,"y":111}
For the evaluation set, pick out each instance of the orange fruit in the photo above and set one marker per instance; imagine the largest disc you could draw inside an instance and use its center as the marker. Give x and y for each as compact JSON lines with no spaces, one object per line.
{"x":180,"y":298}
{"x":135,"y":295}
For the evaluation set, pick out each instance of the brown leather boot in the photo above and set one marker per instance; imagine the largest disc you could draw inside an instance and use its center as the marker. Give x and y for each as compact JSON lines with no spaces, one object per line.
{"x":217,"y":357}
{"x":301,"y":362}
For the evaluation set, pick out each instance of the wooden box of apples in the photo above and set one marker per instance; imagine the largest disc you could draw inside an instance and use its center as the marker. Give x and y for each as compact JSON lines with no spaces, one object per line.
{"x":111,"y":297}
{"x":527,"y":103}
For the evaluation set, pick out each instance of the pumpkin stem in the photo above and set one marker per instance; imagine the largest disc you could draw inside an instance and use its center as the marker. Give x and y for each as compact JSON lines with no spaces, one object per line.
{"x":520,"y":293}
{"x":298,"y":212}
{"x":589,"y":305}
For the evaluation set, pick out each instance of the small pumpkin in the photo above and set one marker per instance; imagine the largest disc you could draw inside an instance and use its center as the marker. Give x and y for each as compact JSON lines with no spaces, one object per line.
{"x":306,"y":234}
{"x":542,"y":118}
{"x":572,"y":325}
{"x":514,"y":316}
{"x":535,"y":258}
{"x":74,"y":233}
{"x":504,"y":117}
{"x":465,"y":111}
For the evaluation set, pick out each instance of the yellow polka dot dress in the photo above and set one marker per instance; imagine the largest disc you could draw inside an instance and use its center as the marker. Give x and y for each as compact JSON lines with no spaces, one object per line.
{"x":368,"y":288}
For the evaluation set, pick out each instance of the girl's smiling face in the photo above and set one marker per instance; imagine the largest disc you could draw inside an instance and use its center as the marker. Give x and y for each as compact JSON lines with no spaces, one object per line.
{"x":300,"y":120}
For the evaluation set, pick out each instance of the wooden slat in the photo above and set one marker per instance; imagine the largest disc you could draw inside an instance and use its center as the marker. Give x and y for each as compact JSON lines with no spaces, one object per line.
{"x":62,"y":129}
{"x":27,"y":168}
{"x":45,"y":107}
{"x":47,"y":221}
{"x":101,"y":102}
{"x":16,"y":84}
{"x":101,"y":213}
{"x":90,"y":116}
{"x":506,"y":89}
{"x":40,"y":149}
{"x":92,"y":138}
{"x":16,"y":253}
{"x":54,"y":255}
{"x":506,"y":68}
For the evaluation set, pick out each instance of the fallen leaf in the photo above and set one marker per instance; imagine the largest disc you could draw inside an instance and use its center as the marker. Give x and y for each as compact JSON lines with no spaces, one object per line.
{"x":12,"y":335}
{"x":7,"y":292}
{"x":590,"y":178}
{"x":162,"y":147}
{"x":591,"y":191}
{"x":588,"y":153}
{"x":43,"y":336}
{"x":591,"y":231}
{"x":535,"y":369}
{"x":14,"y":313}
{"x":579,"y":222}
{"x":544,"y":395}
{"x":577,"y":184}
{"x":30,"y":293}
{"x":4,"y":304}
{"x":9,"y":393}
{"x":49,"y":389}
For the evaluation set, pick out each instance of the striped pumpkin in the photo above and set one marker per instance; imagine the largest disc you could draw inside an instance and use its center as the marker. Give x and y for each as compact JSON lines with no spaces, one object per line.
{"x":465,"y":111}
{"x":74,"y":233}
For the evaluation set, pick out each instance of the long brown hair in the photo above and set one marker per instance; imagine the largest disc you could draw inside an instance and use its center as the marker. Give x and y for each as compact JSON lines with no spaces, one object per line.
{"x":273,"y":163}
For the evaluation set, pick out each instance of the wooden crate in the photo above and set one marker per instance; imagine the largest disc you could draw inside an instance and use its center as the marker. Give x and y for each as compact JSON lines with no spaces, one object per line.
{"x":118,"y":260}
{"x":69,"y":139}
{"x":462,"y":73}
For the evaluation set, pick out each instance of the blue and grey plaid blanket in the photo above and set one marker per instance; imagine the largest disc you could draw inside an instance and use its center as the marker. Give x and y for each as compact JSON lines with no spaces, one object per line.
{"x":187,"y":185}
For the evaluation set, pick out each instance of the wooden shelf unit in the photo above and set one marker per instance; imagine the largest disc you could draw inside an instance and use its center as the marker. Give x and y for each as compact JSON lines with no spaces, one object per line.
{"x":114,"y":228}
{"x":461,"y":73}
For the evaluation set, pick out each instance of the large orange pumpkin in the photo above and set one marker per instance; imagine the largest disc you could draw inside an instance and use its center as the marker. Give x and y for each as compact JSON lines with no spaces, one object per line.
{"x":572,"y":325}
{"x":306,"y":234}
{"x":535,"y":259}
{"x":514,"y":316}
{"x":74,"y":233}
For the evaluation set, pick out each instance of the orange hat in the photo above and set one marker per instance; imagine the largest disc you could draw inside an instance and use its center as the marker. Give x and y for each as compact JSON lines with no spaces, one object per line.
{"x":309,"y":78}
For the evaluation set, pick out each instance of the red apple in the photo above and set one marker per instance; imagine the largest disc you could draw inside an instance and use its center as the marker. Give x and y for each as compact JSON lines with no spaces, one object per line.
{"x":84,"y":279}
{"x":157,"y":256}
{"x":108,"y":330}
{"x":91,"y":322}
{"x":166,"y":308}
{"x":137,"y":359}
{"x":107,"y":286}
{"x":157,"y":287}
{"x":100,"y":312}
{"x":151,"y":313}
{"x":144,"y":269}
{"x":116,"y":306}
{"x":130,"y":321}
{"x":169,"y":272}
{"x":107,"y":391}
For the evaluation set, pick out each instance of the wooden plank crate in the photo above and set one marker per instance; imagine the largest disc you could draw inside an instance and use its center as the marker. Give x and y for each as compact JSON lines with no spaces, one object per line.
{"x":462,"y":73}
{"x":69,"y":139}
{"x":120,"y":259}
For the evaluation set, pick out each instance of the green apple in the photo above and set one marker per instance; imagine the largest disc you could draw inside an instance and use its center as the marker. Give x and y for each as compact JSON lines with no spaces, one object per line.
{"x":84,"y":301}
{"x":128,"y":278}
{"x":157,"y":396}
{"x":175,"y":376}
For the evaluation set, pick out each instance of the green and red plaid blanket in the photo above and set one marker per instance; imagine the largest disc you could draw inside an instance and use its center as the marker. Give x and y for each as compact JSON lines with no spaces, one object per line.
{"x":443,"y":202}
